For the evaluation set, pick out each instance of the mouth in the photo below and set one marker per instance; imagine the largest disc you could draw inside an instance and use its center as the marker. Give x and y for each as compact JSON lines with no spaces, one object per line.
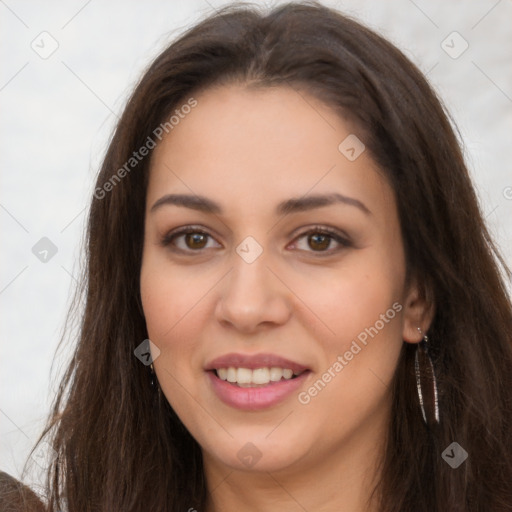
{"x":257,"y":378}
{"x":255,"y":382}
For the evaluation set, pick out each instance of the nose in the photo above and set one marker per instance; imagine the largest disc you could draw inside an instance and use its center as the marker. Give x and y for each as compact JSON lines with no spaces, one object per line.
{"x":252,"y":298}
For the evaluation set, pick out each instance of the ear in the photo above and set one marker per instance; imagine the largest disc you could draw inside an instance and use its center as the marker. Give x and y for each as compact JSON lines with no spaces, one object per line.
{"x":419,"y":309}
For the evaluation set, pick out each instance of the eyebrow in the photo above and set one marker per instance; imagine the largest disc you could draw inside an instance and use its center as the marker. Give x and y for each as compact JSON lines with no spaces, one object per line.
{"x":203,"y":204}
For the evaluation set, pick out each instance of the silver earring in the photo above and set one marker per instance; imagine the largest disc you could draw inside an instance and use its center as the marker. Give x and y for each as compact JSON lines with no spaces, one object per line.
{"x":427,"y":388}
{"x":152,"y":378}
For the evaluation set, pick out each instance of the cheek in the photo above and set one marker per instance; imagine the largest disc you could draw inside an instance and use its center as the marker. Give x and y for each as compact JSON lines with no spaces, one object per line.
{"x":175,"y":309}
{"x":360,"y":354}
{"x":172,"y":304}
{"x":168,"y":305}
{"x":352,"y":298}
{"x":171,"y":296}
{"x":359,"y":314}
{"x":177,"y":306}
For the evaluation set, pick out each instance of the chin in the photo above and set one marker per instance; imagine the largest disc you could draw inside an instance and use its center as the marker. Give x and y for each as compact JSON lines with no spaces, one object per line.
{"x":256,"y":452}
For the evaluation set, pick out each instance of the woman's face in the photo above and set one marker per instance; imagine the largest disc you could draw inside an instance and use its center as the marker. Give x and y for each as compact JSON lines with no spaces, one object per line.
{"x":293,"y":265}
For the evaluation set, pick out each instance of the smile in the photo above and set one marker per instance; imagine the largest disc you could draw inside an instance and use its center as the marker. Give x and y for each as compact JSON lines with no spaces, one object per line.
{"x":245,"y":377}
{"x":255,"y":382}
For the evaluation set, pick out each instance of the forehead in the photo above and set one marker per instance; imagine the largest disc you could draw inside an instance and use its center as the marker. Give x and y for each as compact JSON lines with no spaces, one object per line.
{"x":257,"y":145}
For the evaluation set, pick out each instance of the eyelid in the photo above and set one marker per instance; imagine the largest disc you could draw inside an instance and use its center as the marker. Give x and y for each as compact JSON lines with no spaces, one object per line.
{"x":319,"y":228}
{"x":184,"y":230}
{"x":338,"y":236}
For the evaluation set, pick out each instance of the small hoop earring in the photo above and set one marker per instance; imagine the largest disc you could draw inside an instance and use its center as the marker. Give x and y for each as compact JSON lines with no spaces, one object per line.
{"x":423,"y":365}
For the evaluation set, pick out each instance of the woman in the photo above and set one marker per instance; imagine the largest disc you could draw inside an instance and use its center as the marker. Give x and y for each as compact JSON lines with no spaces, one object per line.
{"x":291,"y":298}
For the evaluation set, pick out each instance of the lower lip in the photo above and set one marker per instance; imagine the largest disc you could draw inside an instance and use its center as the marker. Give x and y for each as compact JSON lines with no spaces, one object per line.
{"x":255,"y":399}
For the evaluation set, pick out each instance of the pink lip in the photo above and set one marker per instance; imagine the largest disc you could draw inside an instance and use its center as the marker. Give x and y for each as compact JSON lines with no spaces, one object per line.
{"x":255,"y":399}
{"x":254,"y":361}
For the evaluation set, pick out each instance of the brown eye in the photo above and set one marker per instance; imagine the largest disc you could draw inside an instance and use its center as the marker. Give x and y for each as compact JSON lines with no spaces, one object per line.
{"x":319,"y":241}
{"x":196,"y":240}
{"x":189,"y":239}
{"x":322,"y":241}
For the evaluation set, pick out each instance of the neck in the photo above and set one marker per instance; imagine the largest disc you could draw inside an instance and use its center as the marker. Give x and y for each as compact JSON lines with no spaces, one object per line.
{"x":341,"y":480}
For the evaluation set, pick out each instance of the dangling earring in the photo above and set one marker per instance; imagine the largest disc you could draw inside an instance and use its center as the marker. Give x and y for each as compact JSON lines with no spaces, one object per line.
{"x":427,"y":390}
{"x":152,"y":376}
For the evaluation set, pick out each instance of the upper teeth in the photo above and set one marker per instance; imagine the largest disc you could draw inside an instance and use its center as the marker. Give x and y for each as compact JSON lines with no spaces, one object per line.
{"x":257,"y":376}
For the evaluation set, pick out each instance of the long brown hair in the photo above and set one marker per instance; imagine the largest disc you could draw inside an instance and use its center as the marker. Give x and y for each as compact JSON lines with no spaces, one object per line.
{"x":119,"y":448}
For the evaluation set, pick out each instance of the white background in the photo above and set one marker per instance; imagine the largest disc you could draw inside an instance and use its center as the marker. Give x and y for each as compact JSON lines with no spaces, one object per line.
{"x":57,"y":114}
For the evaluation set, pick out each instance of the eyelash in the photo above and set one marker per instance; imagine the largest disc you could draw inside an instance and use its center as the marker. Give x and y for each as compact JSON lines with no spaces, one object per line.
{"x":168,"y":239}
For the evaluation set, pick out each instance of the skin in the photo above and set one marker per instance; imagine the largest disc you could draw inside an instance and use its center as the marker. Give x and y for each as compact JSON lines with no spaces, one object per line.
{"x":248,"y":150}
